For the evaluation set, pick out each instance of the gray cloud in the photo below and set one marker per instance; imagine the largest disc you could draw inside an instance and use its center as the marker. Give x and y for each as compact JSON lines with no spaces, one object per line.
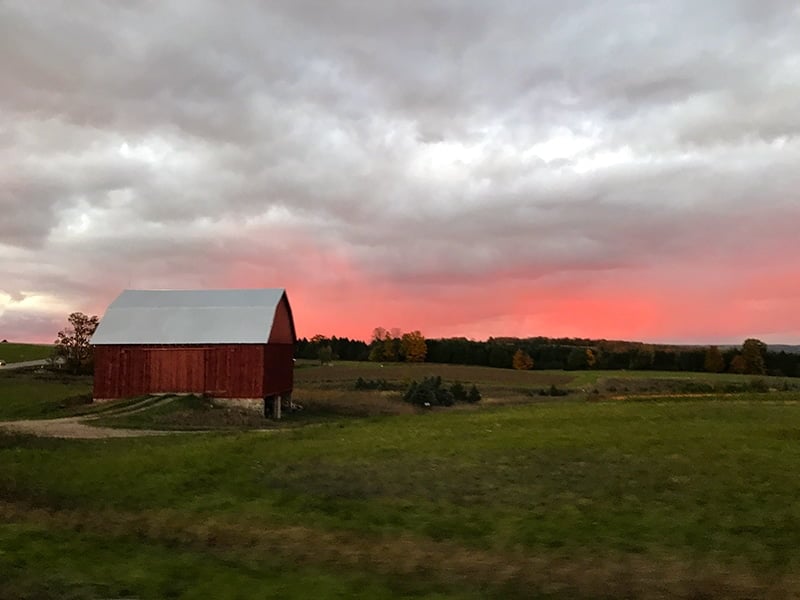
{"x":186,"y":143}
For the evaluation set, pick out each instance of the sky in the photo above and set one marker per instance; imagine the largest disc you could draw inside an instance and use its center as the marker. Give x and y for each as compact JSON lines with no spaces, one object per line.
{"x":606,"y":169}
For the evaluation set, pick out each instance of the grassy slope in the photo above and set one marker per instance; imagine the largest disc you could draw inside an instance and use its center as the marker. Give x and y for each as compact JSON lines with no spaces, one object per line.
{"x":671,"y":491}
{"x":12,"y":352}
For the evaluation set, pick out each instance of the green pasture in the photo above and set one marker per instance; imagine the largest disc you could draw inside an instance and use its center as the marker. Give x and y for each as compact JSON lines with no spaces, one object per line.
{"x":13,"y":352}
{"x":29,"y":395}
{"x":663,"y":498}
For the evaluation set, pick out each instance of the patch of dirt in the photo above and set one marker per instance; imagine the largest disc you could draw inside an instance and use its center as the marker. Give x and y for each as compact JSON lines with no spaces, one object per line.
{"x":80,"y":428}
{"x":72,"y":428}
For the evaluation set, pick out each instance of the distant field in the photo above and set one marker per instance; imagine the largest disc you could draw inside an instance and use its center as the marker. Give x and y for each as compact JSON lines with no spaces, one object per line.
{"x":689,"y":499}
{"x":507,"y":384}
{"x":31,"y":396}
{"x":338,"y":371}
{"x":342,"y":372}
{"x":11,"y":352}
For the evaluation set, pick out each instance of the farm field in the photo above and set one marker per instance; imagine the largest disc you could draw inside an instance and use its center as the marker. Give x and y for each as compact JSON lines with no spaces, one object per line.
{"x":13,"y":352}
{"x":672,"y":497}
{"x":309,"y":372}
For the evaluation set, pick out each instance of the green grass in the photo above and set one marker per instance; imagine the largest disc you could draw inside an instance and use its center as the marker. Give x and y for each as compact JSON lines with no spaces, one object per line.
{"x":593,"y":377}
{"x":658,"y":495}
{"x":40,"y":562}
{"x":551,"y":499}
{"x":25,"y":395}
{"x":13,"y":352}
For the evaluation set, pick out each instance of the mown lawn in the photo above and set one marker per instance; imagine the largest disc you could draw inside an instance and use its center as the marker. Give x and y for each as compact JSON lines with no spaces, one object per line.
{"x":13,"y":352}
{"x":660,"y":498}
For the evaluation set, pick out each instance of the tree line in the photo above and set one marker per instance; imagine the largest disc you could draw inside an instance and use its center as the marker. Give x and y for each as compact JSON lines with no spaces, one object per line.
{"x":753,"y":357}
{"x":386,"y":345}
{"x":392,"y":345}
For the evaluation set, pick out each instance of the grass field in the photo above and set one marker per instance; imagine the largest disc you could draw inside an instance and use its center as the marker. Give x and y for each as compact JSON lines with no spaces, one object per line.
{"x":26,"y":395}
{"x":665,"y":497}
{"x":12,"y":352}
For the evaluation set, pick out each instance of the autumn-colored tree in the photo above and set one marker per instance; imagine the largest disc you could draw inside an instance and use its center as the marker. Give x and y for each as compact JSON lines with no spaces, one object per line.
{"x":753,"y":352}
{"x":391,"y":347}
{"x":73,"y":342}
{"x":714,"y":361}
{"x":522,"y":360}
{"x":385,"y":345}
{"x":591,"y":358}
{"x":413,"y":347}
{"x":738,"y":364}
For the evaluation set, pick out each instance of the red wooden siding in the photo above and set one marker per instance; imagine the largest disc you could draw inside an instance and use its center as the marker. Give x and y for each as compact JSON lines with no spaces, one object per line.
{"x":282,"y":325}
{"x":177,"y":369}
{"x":224,"y":370}
{"x":278,"y":369}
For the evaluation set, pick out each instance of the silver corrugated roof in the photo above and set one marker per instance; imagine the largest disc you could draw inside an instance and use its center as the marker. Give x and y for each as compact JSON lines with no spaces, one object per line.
{"x":189,"y":317}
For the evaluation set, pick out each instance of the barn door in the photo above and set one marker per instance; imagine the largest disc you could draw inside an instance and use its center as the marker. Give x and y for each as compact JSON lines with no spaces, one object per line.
{"x":177,"y":370}
{"x":218,"y":368}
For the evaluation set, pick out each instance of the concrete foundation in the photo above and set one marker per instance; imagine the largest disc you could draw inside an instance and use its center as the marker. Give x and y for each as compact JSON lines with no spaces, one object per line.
{"x":270,"y":407}
{"x":254,"y":404}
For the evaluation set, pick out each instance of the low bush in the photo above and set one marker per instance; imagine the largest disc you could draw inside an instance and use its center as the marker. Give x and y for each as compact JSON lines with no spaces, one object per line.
{"x":431,"y":392}
{"x":553,"y":391}
{"x":758,"y":385}
{"x":374,"y":384}
{"x":695,"y":387}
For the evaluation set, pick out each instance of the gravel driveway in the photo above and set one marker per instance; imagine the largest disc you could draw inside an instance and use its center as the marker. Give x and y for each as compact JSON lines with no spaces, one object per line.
{"x":73,"y":428}
{"x":78,"y":428}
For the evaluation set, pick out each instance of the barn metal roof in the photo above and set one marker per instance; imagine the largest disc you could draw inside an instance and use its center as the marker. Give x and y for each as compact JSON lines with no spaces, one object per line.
{"x":189,"y":317}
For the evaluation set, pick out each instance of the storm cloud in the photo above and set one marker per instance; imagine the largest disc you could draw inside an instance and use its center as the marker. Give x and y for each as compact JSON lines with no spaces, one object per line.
{"x":616,"y":169}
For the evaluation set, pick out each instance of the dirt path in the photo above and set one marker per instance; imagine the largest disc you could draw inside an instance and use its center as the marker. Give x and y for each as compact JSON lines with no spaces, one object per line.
{"x":73,"y":428}
{"x":79,"y":428}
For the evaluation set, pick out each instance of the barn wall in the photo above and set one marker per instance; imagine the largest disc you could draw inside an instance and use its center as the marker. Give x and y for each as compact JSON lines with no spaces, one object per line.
{"x":235,"y":371}
{"x":177,"y":369}
{"x":278,"y":368}
{"x":282,"y":324}
{"x":224,"y":371}
{"x":120,"y":372}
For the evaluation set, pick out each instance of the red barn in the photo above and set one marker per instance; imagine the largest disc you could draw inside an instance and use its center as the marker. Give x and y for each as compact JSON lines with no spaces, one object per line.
{"x":233,"y":345}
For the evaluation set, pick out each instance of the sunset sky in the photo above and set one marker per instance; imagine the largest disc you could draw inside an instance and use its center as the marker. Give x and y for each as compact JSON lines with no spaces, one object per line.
{"x":615,"y":169}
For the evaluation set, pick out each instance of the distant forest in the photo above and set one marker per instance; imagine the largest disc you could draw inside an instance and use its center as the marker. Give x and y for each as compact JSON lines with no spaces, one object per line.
{"x":752,"y":357}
